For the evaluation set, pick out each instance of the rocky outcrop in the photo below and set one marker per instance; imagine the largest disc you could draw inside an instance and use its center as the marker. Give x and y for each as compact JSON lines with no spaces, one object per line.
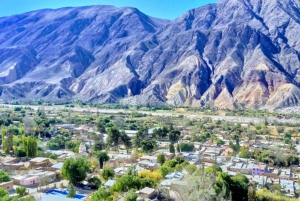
{"x":235,"y":53}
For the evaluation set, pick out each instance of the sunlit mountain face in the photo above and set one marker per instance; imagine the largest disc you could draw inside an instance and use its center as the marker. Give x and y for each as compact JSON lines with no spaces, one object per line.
{"x":229,"y":54}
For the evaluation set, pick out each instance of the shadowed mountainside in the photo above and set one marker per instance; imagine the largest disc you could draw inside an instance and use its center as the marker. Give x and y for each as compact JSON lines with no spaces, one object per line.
{"x":235,"y":53}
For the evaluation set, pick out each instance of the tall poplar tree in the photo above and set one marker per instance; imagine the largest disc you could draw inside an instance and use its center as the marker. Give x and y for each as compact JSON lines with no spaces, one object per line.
{"x":30,"y":146}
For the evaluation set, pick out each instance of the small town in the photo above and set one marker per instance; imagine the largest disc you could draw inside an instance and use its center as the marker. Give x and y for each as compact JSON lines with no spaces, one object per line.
{"x":77,"y":152}
{"x":149,"y":100}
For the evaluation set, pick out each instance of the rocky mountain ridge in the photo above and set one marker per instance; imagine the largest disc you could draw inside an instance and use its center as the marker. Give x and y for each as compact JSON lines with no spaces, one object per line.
{"x":235,"y":53}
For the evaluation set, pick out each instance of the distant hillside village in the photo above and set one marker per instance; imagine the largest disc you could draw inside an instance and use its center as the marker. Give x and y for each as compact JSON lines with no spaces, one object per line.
{"x":78,"y":154}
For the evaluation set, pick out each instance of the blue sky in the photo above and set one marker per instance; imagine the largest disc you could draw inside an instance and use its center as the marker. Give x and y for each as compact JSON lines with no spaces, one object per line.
{"x":167,"y":9}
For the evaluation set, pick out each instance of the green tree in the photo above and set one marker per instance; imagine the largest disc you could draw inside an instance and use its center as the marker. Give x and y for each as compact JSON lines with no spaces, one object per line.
{"x":171,"y":163}
{"x":72,"y":191}
{"x":100,"y":126}
{"x":76,"y":148}
{"x":172,"y":148}
{"x":3,"y":192}
{"x":238,"y":185}
{"x":31,"y":147}
{"x":131,"y":196}
{"x":102,"y":157}
{"x":161,"y":158}
{"x":72,"y":144}
{"x":179,"y":167}
{"x":186,"y":147}
{"x":53,"y":156}
{"x":287,"y":141}
{"x":94,"y":182}
{"x":99,"y":145}
{"x":160,"y":132}
{"x":7,"y":136}
{"x":125,"y":139}
{"x":141,"y":134}
{"x":131,"y":171}
{"x":163,"y":171}
{"x":113,"y":136}
{"x":213,"y":169}
{"x":4,"y":177}
{"x":178,"y":148}
{"x":127,"y":182}
{"x":148,"y":145}
{"x":75,"y":169}
{"x":108,"y":173}
{"x":292,"y":160}
{"x":3,"y":131}
{"x":245,"y":154}
{"x":99,"y":195}
{"x":20,"y":152}
{"x":21,"y":190}
{"x":137,"y":140}
{"x":191,"y":168}
{"x":174,"y":136}
{"x":220,"y":142}
{"x":235,"y":147}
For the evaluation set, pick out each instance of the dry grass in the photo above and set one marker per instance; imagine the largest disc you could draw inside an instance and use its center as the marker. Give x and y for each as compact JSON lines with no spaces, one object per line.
{"x":273,"y":131}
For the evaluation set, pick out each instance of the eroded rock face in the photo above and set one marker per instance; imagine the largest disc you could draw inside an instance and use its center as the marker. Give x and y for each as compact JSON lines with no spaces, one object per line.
{"x":235,"y":53}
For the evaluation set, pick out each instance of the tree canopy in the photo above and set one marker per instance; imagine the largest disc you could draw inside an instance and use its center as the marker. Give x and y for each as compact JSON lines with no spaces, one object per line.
{"x":4,"y":177}
{"x":161,"y":158}
{"x":75,"y":169}
{"x":245,"y":154}
{"x":99,"y":195}
{"x":172,"y":148}
{"x":94,"y":182}
{"x":113,"y":136}
{"x":98,"y":145}
{"x":186,"y":147}
{"x":127,"y":182}
{"x":148,"y":145}
{"x":131,"y":196}
{"x":102,"y":157}
{"x":3,"y":192}
{"x":108,"y":173}
{"x":174,"y":136}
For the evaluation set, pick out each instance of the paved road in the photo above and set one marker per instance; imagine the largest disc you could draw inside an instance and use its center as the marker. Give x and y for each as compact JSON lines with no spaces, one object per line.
{"x":166,"y":114}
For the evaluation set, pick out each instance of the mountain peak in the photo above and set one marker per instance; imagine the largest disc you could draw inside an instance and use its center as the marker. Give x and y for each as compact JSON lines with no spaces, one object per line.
{"x":246,"y":51}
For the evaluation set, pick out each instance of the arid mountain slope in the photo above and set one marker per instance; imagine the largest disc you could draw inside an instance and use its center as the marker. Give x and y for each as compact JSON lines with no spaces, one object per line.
{"x":235,"y":53}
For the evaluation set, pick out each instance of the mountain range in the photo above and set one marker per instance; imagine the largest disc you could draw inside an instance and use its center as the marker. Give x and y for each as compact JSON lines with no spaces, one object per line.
{"x":231,"y":54}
